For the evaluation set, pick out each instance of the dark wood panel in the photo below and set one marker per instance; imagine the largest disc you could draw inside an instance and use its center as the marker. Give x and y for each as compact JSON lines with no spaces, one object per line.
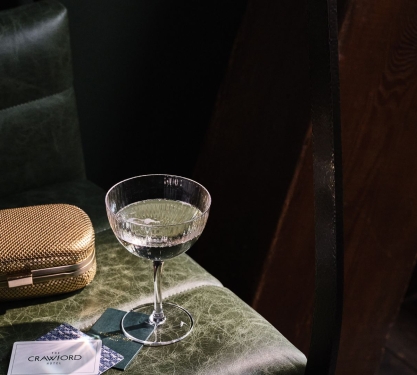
{"x":254,"y":141}
{"x":392,"y":365}
{"x":402,"y":338}
{"x":378,"y":74}
{"x":379,"y":92}
{"x":286,"y":291}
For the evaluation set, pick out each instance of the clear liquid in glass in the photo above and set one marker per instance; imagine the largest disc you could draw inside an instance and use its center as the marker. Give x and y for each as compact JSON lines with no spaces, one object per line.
{"x":158,"y":229}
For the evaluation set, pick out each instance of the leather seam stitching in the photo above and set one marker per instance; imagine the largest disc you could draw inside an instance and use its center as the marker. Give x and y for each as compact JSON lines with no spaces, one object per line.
{"x":193,"y":288}
{"x":36,"y":100}
{"x":102,"y":230}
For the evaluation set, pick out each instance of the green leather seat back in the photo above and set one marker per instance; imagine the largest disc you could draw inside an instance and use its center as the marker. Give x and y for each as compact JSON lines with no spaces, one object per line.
{"x":39,"y":134}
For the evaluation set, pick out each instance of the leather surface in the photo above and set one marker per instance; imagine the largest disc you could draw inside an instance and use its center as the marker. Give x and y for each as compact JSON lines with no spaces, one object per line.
{"x":39,"y":134}
{"x":122,"y":281}
{"x":35,"y":59}
{"x":40,"y":143}
{"x":229,"y":338}
{"x":40,"y":152}
{"x":80,"y":193}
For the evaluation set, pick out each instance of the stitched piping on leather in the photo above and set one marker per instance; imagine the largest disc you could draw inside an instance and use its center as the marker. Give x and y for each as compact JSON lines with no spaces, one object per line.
{"x":87,"y":324}
{"x":193,"y":288}
{"x":194,"y":262}
{"x":102,"y":230}
{"x":36,"y":100}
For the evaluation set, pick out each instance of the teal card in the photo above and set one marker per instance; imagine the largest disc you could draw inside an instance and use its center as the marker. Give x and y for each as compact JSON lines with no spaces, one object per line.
{"x":108,"y":329}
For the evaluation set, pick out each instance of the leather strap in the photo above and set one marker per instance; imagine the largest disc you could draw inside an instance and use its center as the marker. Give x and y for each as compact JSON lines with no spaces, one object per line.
{"x":328,"y":195}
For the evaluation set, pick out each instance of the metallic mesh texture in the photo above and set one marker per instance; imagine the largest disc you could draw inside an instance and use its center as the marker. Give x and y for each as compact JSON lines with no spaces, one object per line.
{"x":44,"y":236}
{"x":38,"y":237}
{"x":51,"y":287}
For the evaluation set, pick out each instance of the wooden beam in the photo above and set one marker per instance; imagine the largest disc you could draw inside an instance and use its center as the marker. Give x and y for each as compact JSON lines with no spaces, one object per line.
{"x":378,"y":75}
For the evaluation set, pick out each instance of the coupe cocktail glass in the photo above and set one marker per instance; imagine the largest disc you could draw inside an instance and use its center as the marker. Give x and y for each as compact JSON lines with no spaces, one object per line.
{"x":158,"y":217}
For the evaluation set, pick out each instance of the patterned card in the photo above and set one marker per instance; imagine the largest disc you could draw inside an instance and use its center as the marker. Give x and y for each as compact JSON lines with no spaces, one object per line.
{"x":108,"y":329}
{"x":109,"y":357}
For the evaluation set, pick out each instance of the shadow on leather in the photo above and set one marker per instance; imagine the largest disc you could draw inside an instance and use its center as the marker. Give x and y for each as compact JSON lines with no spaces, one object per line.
{"x":10,"y":305}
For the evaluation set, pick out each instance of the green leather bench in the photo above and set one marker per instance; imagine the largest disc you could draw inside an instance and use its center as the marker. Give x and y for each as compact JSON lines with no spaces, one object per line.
{"x":229,"y":337}
{"x":41,"y":156}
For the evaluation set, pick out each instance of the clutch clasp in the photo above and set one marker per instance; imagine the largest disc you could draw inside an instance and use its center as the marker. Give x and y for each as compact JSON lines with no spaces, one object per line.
{"x":19,"y":279}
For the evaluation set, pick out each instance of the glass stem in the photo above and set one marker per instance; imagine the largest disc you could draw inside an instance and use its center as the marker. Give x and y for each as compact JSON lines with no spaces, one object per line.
{"x":157,"y":316}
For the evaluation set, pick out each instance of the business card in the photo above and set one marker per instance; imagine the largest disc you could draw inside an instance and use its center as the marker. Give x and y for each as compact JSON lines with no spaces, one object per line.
{"x":65,"y":331}
{"x":108,"y":329}
{"x":55,"y":357}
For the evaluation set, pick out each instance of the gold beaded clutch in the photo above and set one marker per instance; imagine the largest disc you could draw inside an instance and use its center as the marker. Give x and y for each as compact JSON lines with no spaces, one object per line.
{"x":45,"y":250}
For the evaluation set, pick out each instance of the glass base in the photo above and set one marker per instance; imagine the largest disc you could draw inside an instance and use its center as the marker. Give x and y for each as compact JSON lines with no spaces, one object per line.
{"x":177,"y":325}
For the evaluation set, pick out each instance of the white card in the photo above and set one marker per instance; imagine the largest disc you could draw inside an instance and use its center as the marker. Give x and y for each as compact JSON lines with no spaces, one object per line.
{"x":55,"y":357}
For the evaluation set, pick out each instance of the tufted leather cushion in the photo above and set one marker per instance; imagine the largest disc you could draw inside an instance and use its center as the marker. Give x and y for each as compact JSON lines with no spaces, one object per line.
{"x":42,"y":163}
{"x":229,"y":337}
{"x":122,"y":281}
{"x":39,"y":134}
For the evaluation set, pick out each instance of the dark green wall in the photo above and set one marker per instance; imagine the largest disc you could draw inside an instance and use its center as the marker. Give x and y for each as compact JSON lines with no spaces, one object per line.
{"x":146,"y":78}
